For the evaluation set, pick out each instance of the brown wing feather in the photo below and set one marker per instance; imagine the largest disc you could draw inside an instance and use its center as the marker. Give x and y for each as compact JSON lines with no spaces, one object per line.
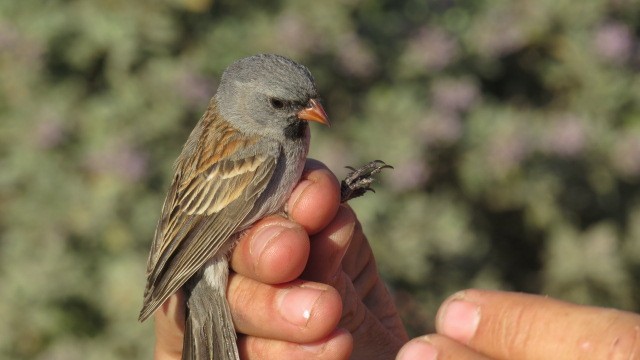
{"x":209,"y":198}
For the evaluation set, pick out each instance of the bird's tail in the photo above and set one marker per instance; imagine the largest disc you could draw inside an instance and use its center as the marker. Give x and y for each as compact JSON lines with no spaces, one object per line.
{"x":209,"y":332}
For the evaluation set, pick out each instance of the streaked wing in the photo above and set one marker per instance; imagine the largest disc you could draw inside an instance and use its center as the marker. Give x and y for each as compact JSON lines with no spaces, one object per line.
{"x":201,"y":212}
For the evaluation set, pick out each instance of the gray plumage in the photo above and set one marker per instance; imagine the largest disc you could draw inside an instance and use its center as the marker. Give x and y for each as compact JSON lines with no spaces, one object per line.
{"x":239,"y":164}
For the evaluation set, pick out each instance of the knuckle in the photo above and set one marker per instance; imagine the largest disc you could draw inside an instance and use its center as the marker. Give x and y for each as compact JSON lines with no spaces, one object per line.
{"x":353,"y":312}
{"x":625,"y":344}
{"x":516,"y":342}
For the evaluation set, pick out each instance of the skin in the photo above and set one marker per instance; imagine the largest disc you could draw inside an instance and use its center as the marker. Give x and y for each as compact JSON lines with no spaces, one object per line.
{"x":290,"y":278}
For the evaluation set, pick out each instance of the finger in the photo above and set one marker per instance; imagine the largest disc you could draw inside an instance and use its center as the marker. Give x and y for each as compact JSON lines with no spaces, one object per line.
{"x":314,"y":201}
{"x":169,"y":328}
{"x":337,"y":346}
{"x":326,"y":265}
{"x":359,"y":255}
{"x":360,"y":265}
{"x":298,"y":312}
{"x":329,"y":246}
{"x":521,"y":326}
{"x":273,"y":251}
{"x":439,"y":347}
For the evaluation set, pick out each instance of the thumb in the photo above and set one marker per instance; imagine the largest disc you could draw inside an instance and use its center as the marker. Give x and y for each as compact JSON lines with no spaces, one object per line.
{"x":169,"y":328}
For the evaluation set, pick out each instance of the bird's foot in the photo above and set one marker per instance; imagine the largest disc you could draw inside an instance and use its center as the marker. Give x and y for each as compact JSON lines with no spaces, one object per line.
{"x":359,"y":180}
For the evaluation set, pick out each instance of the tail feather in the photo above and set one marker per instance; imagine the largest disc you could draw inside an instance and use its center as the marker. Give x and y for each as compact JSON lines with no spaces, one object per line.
{"x":209,"y":331}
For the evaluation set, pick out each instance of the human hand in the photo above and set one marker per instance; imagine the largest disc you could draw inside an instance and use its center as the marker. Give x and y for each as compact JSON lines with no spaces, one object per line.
{"x":482,"y":324}
{"x":302,"y":288}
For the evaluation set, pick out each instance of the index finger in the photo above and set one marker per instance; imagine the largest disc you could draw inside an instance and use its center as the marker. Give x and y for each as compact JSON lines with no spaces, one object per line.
{"x":169,"y":328}
{"x":521,"y":326}
{"x":275,"y":250}
{"x":315,"y":200}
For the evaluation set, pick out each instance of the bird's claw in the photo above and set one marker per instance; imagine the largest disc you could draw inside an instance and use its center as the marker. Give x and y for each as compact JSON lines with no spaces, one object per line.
{"x":358,"y":182}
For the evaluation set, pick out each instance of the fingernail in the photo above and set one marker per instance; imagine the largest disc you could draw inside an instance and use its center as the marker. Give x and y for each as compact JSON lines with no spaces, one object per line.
{"x":420,"y":348}
{"x":263,"y":236}
{"x":319,"y":347}
{"x":296,"y":304}
{"x":459,"y":320}
{"x":295,"y":195}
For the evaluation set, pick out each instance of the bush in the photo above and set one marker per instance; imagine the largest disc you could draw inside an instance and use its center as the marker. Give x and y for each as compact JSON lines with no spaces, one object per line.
{"x":514,"y":128}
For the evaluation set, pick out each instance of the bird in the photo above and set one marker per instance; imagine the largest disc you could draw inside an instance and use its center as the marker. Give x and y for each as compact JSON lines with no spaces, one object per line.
{"x":239,"y":164}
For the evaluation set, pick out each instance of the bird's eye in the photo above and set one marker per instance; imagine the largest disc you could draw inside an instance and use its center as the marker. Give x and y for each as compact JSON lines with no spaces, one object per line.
{"x":277,"y":103}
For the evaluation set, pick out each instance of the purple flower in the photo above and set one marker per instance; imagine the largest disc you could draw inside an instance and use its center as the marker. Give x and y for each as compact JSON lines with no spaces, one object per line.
{"x":454,"y":95}
{"x":613,"y":42}
{"x":432,"y":48}
{"x":410,"y":174}
{"x":300,"y":39}
{"x":9,"y":36}
{"x":194,"y":88}
{"x":440,"y":127}
{"x":27,"y":51}
{"x":566,"y":136}
{"x":354,"y":57}
{"x":49,"y":133}
{"x":120,"y":160}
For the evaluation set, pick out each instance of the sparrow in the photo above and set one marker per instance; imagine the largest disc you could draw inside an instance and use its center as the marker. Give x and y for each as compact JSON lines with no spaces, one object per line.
{"x":240,"y":163}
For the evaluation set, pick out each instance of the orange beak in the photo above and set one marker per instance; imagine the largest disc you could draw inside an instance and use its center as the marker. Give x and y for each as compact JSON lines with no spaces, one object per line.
{"x":314,"y":112}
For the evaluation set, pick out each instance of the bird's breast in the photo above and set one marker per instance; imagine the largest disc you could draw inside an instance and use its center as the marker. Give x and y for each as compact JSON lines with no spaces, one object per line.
{"x":290,"y":164}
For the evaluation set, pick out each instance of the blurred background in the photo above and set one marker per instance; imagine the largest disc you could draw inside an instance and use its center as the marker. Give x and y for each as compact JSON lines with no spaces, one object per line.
{"x":514,"y":128}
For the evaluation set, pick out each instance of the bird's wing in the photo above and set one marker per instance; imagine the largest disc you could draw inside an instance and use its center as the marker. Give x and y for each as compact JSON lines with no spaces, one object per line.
{"x":208,"y":200}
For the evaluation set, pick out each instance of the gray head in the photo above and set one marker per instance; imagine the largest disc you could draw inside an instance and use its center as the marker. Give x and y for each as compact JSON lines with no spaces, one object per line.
{"x":269,"y":95}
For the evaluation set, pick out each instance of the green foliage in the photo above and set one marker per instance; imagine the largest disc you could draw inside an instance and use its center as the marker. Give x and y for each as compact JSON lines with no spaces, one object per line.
{"x":514,"y":128}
